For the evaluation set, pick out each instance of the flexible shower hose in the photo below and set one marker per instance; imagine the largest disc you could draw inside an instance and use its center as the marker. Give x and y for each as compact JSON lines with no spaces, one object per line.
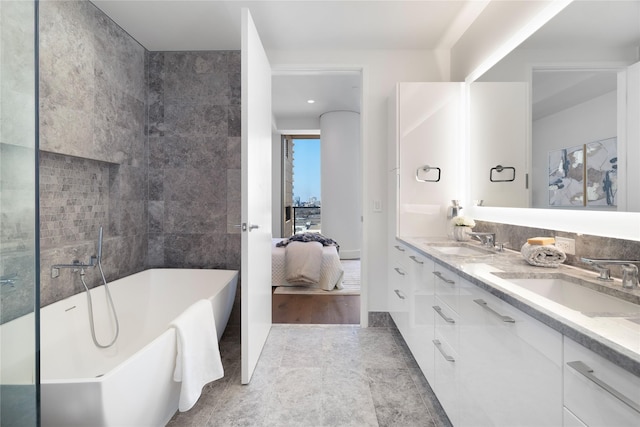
{"x":90,"y":305}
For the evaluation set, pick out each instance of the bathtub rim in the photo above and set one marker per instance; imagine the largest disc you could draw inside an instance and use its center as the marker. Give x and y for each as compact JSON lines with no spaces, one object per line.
{"x":232,"y":280}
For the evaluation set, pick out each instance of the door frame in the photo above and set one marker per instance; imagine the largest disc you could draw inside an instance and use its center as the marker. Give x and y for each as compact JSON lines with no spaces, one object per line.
{"x":364,"y":151}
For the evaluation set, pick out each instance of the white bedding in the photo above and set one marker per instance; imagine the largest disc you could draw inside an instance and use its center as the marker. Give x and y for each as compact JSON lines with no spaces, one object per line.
{"x":331,"y":271}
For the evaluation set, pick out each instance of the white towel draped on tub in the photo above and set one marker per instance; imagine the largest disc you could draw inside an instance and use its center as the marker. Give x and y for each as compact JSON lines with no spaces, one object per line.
{"x":198,"y":360}
{"x":542,"y":255}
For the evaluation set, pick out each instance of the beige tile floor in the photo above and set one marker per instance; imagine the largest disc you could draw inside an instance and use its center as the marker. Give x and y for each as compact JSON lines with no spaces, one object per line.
{"x":319,"y":375}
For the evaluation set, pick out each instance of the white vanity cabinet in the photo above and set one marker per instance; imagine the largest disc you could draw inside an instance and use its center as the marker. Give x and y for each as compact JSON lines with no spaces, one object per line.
{"x":421,"y":313}
{"x":411,"y":294}
{"x":399,"y":288}
{"x":597,"y":392}
{"x":489,"y":364}
{"x":512,"y":362}
{"x":446,"y":379}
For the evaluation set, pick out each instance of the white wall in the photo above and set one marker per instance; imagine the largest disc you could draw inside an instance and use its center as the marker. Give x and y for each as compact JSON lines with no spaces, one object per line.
{"x":381,"y":70}
{"x":499,"y":135}
{"x":632,"y":133}
{"x":340,"y":172}
{"x":590,"y":121}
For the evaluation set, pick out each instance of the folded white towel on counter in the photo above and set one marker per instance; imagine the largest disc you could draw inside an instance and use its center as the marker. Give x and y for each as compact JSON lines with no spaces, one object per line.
{"x":543,"y":255}
{"x":198,"y":360}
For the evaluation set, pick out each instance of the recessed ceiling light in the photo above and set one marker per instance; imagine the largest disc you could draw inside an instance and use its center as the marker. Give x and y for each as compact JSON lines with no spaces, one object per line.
{"x":310,"y":101}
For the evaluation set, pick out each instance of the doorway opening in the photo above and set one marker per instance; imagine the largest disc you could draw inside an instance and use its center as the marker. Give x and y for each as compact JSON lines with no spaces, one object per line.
{"x":319,"y":105}
{"x":302,"y":214}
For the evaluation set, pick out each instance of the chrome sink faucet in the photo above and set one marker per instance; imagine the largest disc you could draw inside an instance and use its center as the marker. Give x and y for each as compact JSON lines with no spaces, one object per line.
{"x":487,"y":239}
{"x":629,"y":270}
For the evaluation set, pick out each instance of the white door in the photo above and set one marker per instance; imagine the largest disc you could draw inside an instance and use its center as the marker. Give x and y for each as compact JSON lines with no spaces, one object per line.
{"x":628,"y":134}
{"x":256,"y":197}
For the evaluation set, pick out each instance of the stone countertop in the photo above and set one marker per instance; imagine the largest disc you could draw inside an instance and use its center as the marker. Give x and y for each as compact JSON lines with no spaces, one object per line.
{"x":614,"y":338}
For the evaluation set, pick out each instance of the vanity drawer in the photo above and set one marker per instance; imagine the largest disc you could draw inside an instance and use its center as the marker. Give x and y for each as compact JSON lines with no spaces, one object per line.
{"x":598,"y":392}
{"x":398,"y":294}
{"x":445,"y":379}
{"x":422,"y":274}
{"x":479,"y":307}
{"x":447,"y":286}
{"x":510,"y":361}
{"x":446,"y":323}
{"x":399,"y":255}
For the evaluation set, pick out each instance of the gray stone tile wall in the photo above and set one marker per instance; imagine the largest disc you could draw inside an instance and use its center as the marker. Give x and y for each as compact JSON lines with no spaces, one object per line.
{"x":92,"y":85}
{"x":94,"y":148}
{"x":194,"y":159}
{"x":74,"y":199}
{"x":588,"y":246}
{"x":146,"y":145}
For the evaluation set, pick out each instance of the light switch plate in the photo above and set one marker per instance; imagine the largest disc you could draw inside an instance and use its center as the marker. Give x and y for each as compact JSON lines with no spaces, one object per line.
{"x":566,"y":245}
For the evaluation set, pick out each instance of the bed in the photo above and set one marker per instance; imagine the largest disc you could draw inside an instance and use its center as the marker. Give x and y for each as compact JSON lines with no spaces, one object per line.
{"x":330,"y":274}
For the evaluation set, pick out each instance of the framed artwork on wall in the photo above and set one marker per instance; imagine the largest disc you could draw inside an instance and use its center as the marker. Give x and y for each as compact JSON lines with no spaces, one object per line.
{"x":601,"y":172}
{"x":566,"y":177}
{"x":584,"y":175}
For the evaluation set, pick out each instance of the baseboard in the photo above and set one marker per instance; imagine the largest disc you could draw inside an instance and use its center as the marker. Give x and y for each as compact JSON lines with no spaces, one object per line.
{"x":380,"y":319}
{"x":352,"y":254}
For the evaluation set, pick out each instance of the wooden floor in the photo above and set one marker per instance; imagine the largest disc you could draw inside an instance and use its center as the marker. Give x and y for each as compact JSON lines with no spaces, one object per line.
{"x":316,"y":309}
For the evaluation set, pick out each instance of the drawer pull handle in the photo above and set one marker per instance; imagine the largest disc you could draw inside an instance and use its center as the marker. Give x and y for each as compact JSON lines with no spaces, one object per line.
{"x":401,"y":249}
{"x":397,"y":291}
{"x":449,"y":281}
{"x":413,"y":257}
{"x":438,"y":345}
{"x":444,"y":316}
{"x":585,"y":370}
{"x":482,"y":303}
{"x":400,"y":272}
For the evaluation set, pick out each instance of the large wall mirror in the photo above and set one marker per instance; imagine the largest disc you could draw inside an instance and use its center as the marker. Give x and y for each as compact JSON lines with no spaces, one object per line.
{"x":554,"y":124}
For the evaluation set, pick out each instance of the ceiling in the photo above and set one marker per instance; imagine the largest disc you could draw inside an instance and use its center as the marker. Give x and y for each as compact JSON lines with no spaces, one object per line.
{"x":164,"y":25}
{"x":590,"y":24}
{"x":554,"y":90}
{"x":330,"y":91}
{"x":171,"y":25}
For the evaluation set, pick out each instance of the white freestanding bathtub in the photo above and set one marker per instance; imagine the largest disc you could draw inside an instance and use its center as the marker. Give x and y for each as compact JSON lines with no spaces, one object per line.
{"x":130,"y":383}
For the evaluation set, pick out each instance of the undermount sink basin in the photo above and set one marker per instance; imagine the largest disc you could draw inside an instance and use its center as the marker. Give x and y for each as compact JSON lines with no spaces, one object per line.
{"x":461,"y":249}
{"x":568,"y":291}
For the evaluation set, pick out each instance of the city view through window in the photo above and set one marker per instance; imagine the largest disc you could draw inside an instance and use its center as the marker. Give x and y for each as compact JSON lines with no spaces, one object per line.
{"x":306,"y":185}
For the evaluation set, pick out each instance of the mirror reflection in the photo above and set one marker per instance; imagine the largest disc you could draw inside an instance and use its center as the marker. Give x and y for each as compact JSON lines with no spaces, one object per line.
{"x":562,"y":110}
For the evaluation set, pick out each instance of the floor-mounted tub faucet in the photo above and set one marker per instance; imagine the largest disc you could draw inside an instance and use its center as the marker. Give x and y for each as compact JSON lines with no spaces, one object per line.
{"x":75,"y":265}
{"x":9,"y":279}
{"x":629,"y":270}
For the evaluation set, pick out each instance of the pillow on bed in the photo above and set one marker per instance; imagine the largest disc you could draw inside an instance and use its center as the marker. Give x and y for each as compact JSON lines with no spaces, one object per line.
{"x":303,"y":262}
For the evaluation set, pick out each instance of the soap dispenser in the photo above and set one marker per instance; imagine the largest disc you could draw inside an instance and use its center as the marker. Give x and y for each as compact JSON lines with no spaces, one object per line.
{"x":454,"y":209}
{"x":452,"y":212}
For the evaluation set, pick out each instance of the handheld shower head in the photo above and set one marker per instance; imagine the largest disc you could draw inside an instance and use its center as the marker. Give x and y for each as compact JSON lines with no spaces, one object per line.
{"x":100,"y":244}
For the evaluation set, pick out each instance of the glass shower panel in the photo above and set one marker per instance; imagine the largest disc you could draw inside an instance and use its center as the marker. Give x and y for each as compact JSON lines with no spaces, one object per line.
{"x":18,"y":216}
